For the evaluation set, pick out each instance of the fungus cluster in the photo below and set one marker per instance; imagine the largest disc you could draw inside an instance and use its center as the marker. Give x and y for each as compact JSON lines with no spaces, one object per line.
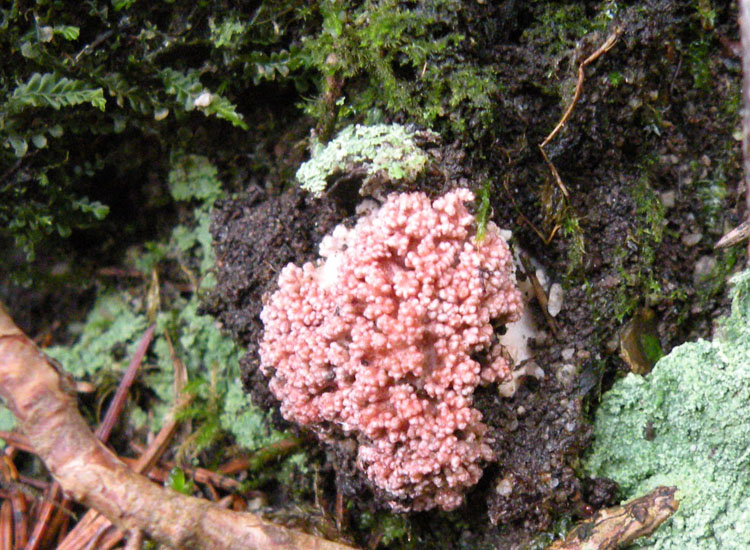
{"x":380,"y":339}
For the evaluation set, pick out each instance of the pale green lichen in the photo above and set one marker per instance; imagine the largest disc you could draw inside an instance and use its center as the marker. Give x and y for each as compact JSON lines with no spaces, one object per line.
{"x":685,"y":425}
{"x":383,"y":151}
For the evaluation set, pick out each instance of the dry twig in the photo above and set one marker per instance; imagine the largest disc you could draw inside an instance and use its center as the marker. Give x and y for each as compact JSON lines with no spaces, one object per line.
{"x":527,"y":221}
{"x":256,"y":460}
{"x":605,"y":47}
{"x":6,"y":526}
{"x":736,"y":235}
{"x":91,"y":474}
{"x":121,"y":395}
{"x":741,"y":233}
{"x":619,"y":526}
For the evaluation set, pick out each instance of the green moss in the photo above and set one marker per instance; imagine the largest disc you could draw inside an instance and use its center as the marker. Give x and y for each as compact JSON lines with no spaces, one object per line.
{"x":571,"y":230}
{"x":393,"y":529}
{"x":616,"y":78}
{"x":649,"y":212}
{"x":558,"y":26}
{"x":383,"y":151}
{"x":699,"y":59}
{"x":560,"y":528}
{"x":392,"y":57}
{"x":640,"y":285}
{"x":695,"y":404}
{"x":706,"y":13}
{"x":711,"y":194}
{"x":483,"y":211}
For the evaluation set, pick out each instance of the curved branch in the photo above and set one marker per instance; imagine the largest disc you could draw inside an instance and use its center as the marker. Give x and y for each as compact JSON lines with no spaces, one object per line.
{"x":39,"y":397}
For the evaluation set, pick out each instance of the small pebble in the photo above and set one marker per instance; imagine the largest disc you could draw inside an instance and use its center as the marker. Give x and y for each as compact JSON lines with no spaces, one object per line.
{"x":567,"y":375}
{"x":504,"y":486}
{"x":555,"y":299}
{"x":668,"y":199}
{"x":692,"y":239}
{"x":703,"y":268}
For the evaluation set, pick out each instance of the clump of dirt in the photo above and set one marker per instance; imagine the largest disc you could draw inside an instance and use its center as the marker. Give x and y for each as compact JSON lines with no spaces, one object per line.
{"x":255,"y":236}
{"x":539,"y":433}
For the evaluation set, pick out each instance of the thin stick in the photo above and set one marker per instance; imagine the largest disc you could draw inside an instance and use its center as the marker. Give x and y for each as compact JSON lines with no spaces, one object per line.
{"x":604,"y":48}
{"x":619,"y":526}
{"x":63,"y":531}
{"x":256,"y":460}
{"x":6,"y":526}
{"x":20,"y":519}
{"x":608,"y":44}
{"x":35,"y":483}
{"x":18,"y":440}
{"x":545,"y":240}
{"x":736,"y":235}
{"x":201,"y":475}
{"x":59,"y":522}
{"x":745,"y":39}
{"x":88,"y":529}
{"x":45,"y":516}
{"x":555,"y":173}
{"x":118,"y":401}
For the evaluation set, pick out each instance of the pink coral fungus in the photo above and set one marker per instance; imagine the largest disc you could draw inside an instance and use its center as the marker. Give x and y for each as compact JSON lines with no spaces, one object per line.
{"x":377,"y":338}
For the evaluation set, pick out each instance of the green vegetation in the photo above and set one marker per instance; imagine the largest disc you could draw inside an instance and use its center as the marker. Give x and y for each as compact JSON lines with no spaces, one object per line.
{"x":85,"y":88}
{"x":694,"y":404}
{"x":698,"y":56}
{"x":649,"y":212}
{"x":177,"y":481}
{"x":699,"y":50}
{"x":557,"y":29}
{"x":392,"y":528}
{"x":560,"y":25}
{"x":642,"y":286}
{"x":69,"y":78}
{"x":384,"y":57}
{"x":484,"y":210}
{"x":571,"y":230}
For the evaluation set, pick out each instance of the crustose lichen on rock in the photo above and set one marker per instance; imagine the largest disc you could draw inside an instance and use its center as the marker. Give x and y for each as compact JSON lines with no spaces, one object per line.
{"x":685,"y":425}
